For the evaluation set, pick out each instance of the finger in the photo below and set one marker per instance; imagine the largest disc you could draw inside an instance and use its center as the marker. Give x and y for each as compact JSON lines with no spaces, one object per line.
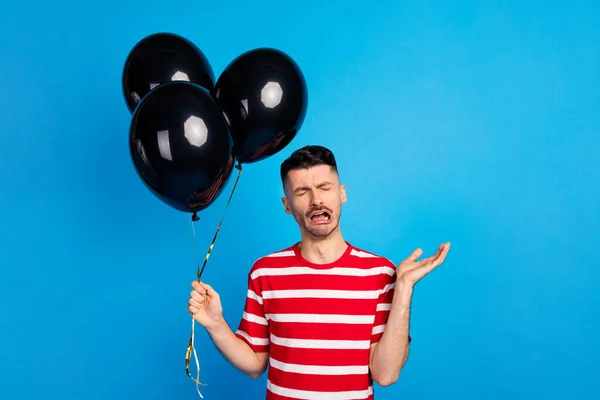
{"x":436,"y":258}
{"x":427,"y":261}
{"x":209,"y":290}
{"x":439,"y":251}
{"x":444,"y":253}
{"x":195,"y":303}
{"x":192,"y":310}
{"x":197,"y":296}
{"x":415,"y":254}
{"x":198,"y":287}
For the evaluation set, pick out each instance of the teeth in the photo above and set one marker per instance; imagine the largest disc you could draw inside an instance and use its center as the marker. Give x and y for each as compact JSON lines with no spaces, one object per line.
{"x":321,"y":214}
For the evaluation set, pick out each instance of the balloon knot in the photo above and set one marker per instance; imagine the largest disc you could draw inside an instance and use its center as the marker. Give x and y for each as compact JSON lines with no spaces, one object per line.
{"x":195,"y":217}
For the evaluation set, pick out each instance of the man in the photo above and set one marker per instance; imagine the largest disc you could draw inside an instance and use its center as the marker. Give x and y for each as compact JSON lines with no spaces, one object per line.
{"x":327,"y":317}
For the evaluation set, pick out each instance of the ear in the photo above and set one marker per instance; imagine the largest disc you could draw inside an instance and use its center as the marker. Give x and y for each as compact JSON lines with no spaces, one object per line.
{"x":343,"y":193}
{"x":286,"y":205}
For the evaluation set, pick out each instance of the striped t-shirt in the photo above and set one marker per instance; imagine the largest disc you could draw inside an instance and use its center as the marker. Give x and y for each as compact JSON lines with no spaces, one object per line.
{"x":317,"y":321}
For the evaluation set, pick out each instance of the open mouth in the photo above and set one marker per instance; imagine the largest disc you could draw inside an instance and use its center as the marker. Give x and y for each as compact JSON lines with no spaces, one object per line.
{"x":320,"y":216}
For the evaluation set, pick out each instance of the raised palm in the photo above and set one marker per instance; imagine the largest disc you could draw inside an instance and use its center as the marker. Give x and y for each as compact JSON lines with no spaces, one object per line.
{"x":410,"y":271}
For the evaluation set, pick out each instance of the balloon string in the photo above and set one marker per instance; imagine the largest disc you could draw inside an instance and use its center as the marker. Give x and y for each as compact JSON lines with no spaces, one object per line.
{"x":190,"y":349}
{"x":212,"y":244}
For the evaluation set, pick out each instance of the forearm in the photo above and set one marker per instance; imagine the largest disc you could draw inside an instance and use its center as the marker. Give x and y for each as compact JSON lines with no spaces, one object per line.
{"x":391,"y":352}
{"x":234,"y":349}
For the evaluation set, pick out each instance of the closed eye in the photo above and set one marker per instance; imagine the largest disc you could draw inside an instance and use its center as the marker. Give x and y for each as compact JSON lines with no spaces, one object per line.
{"x":300,"y":191}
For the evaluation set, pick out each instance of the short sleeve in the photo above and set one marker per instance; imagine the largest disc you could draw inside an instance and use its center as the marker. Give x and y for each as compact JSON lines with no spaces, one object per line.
{"x":387,"y":282}
{"x":254,"y":327}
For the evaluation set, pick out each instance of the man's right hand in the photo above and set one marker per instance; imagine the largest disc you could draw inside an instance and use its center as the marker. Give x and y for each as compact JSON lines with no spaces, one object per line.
{"x":205,"y":305}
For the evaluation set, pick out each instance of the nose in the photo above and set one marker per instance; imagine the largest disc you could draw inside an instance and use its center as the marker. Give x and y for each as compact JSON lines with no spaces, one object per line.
{"x":316,"y":199}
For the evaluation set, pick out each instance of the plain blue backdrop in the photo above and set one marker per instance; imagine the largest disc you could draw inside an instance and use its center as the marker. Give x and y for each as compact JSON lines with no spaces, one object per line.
{"x":452,"y":121}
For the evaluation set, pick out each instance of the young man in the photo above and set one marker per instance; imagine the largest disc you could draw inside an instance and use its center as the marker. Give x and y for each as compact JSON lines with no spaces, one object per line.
{"x":327,"y":317}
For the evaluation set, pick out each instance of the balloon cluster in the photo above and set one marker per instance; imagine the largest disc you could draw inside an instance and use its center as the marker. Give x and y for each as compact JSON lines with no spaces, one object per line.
{"x":188,"y":131}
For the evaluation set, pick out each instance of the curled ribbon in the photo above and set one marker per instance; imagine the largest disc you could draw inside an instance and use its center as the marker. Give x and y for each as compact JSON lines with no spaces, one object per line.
{"x":191,"y":349}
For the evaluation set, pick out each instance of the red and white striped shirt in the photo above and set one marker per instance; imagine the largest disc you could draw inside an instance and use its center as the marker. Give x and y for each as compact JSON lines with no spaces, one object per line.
{"x":317,"y":321}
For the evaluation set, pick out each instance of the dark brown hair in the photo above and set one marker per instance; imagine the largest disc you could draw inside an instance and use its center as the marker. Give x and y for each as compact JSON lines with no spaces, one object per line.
{"x":306,"y":157}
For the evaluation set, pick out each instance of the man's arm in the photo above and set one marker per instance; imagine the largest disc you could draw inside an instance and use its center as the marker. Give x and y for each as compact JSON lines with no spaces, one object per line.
{"x":247,"y":349}
{"x":236,"y":350}
{"x":390,"y":353}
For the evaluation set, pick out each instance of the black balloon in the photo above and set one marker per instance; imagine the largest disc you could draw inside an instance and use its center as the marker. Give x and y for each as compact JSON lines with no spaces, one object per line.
{"x":264,"y":97}
{"x":162,"y":58}
{"x":180,"y":146}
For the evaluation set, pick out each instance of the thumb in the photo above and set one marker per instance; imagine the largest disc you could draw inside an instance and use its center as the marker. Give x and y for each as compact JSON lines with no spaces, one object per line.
{"x":415,"y":254}
{"x":209,"y":290}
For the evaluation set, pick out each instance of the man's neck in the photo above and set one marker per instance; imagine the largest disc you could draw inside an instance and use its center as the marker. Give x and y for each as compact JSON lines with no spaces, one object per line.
{"x":323,"y":251}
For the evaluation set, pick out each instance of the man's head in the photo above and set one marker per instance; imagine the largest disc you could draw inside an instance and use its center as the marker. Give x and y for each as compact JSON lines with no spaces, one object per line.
{"x":313,"y":193}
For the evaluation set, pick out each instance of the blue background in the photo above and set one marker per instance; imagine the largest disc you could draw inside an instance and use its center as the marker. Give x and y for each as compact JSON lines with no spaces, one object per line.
{"x":469,"y":123}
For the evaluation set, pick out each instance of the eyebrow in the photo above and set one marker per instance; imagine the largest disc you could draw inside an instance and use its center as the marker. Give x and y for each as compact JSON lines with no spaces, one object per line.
{"x":302,"y":188}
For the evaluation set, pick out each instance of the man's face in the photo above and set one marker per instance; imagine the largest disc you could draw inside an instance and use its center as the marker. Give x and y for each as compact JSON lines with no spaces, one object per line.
{"x":314,"y":197}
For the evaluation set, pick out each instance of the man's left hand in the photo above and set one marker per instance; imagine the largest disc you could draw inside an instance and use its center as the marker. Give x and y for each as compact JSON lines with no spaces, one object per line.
{"x":410,"y":271}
